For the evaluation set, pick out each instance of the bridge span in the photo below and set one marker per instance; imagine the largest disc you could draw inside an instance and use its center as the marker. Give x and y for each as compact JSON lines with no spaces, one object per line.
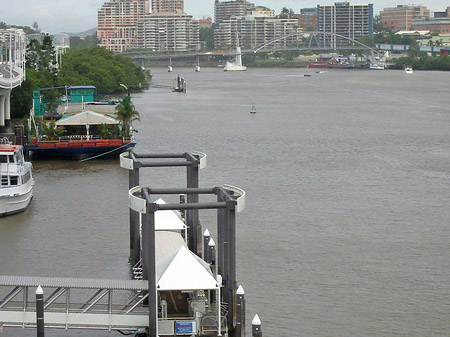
{"x":12,"y":68}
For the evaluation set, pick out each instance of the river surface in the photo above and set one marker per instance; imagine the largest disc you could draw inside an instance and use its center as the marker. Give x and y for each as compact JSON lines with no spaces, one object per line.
{"x":347,"y":174}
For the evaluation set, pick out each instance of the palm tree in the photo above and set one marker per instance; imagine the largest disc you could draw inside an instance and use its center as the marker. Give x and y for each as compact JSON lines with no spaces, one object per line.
{"x":126,"y":113}
{"x":51,"y":130}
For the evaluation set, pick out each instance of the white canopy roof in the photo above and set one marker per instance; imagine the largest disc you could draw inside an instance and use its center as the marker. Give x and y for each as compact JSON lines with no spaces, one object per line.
{"x":167,"y":243}
{"x":87,"y":117}
{"x":183,"y":270}
{"x":168,"y":220}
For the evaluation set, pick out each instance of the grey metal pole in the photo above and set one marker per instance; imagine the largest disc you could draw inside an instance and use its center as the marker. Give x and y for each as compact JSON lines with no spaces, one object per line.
{"x":135,"y":249}
{"x":195,"y":231}
{"x":230,"y":262}
{"x":240,"y":321}
{"x":40,"y":312}
{"x":206,"y":237}
{"x":149,"y":264}
{"x":256,"y":327}
{"x":220,"y":239}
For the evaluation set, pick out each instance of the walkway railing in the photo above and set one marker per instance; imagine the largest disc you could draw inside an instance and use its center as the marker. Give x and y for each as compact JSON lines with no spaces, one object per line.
{"x":74,"y":303}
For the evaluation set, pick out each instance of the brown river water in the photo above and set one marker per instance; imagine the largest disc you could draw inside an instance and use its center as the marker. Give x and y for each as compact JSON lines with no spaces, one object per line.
{"x":347,"y":174}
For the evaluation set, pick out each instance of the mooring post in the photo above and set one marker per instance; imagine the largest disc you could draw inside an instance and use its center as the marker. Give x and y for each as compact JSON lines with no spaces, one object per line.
{"x":256,"y":327}
{"x":240,"y":321}
{"x":219,"y":305}
{"x":206,"y":237}
{"x":212,"y":252}
{"x":231,"y":262}
{"x":220,"y":239}
{"x":135,"y":249}
{"x":40,"y":312}
{"x":192,"y":215}
{"x":149,"y":266}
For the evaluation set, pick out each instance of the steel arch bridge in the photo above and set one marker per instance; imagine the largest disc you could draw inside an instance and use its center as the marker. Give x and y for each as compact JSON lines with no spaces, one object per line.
{"x":313,"y":41}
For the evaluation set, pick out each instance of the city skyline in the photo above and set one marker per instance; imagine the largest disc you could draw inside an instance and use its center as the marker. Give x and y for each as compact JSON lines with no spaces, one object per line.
{"x":56,"y":16}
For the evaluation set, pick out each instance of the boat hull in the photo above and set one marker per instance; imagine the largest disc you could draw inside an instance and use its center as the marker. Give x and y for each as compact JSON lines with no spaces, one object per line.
{"x":15,"y":203}
{"x":318,"y":65}
{"x":232,"y":66}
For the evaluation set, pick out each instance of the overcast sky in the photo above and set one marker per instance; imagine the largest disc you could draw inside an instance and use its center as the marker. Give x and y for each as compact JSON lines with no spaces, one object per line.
{"x":75,"y":16}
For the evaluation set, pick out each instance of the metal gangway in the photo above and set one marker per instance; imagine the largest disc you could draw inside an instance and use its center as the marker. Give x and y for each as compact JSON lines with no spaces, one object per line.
{"x":12,"y":67}
{"x":75,"y":303}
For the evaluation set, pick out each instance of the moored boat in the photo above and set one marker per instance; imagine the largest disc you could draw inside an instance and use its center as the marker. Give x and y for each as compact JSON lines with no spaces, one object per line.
{"x":377,"y":66}
{"x":237,"y":64}
{"x":16,"y":190}
{"x":408,"y":70}
{"x":318,"y":65}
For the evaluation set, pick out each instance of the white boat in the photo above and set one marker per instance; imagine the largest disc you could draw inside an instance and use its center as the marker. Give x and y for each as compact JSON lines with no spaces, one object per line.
{"x":197,"y":67}
{"x":408,"y":70}
{"x":16,"y":190}
{"x":237,"y":64}
{"x":377,"y":66}
{"x":169,"y":68}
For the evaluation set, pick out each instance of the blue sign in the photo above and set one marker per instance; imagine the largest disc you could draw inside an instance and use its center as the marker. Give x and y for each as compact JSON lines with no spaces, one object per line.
{"x":184,"y":328}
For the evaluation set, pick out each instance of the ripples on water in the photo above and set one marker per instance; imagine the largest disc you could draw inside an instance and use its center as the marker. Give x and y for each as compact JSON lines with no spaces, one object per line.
{"x":347,"y":173}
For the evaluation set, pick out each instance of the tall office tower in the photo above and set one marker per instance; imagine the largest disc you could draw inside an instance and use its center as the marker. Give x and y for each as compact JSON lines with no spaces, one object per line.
{"x":168,"y":6}
{"x":226,"y":9}
{"x":401,"y":18}
{"x":343,"y":21}
{"x":117,"y":23}
{"x":307,"y":19}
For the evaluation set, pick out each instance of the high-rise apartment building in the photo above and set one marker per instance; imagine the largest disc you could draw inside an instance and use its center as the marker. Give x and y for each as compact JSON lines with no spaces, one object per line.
{"x":226,"y":9}
{"x":168,"y":33}
{"x":255,"y":30}
{"x":343,"y":21}
{"x":168,"y":6}
{"x":117,"y":23}
{"x":401,"y":18}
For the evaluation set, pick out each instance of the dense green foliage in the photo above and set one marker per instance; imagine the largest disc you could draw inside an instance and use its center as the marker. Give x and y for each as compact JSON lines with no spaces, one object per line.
{"x":41,"y":72}
{"x":101,"y":68}
{"x":207,"y":37}
{"x":424,"y":62}
{"x":94,"y":66}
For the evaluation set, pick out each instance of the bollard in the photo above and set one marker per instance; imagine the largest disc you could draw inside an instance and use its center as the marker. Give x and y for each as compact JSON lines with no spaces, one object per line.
{"x":256,"y":327}
{"x":211,"y":252}
{"x":240,"y":317}
{"x":206,"y":237}
{"x":40,"y":312}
